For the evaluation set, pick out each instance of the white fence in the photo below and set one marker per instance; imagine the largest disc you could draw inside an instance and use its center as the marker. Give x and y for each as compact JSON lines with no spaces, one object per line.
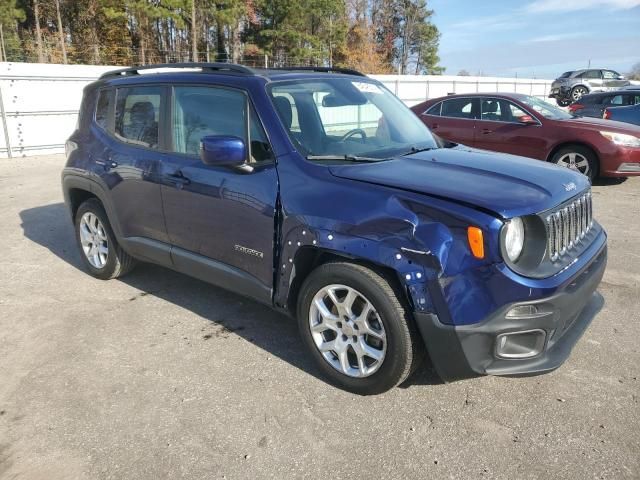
{"x":39,"y":102}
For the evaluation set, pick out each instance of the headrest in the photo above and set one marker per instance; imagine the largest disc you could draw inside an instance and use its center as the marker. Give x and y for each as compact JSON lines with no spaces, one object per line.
{"x":284,"y":109}
{"x":143,"y":112}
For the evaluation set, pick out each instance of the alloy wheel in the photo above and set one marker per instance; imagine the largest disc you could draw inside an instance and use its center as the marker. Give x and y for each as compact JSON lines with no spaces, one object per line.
{"x":575,"y":161}
{"x":578,"y":92}
{"x":93,"y":239}
{"x":347,"y":330}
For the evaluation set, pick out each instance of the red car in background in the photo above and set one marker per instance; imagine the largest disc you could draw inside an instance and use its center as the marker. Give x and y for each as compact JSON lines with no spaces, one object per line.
{"x":530,"y":127}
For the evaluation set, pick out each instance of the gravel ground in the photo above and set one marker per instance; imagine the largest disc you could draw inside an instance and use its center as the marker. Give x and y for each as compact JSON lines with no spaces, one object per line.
{"x":159,"y":375}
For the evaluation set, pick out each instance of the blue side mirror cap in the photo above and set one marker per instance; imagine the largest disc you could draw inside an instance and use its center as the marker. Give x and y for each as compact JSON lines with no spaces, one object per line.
{"x":224,"y":150}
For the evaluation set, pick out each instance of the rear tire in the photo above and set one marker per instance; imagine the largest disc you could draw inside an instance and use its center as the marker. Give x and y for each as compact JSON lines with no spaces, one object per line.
{"x":578,"y":92}
{"x":578,"y":158}
{"x":347,"y":332}
{"x":99,"y":249}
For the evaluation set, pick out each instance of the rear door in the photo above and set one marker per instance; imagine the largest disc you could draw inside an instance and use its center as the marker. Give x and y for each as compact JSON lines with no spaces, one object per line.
{"x":593,"y":79}
{"x":500,"y":129}
{"x":129,"y":158}
{"x":453,"y":119}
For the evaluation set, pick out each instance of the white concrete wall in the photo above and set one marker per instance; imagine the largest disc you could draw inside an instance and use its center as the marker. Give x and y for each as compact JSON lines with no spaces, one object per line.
{"x":41,"y":101}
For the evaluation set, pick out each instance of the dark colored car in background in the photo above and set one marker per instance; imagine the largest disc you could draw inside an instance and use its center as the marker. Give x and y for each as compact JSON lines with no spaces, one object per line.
{"x":530,"y":127}
{"x":570,"y":86}
{"x":594,"y":104}
{"x":629,"y":114}
{"x":317,"y":192}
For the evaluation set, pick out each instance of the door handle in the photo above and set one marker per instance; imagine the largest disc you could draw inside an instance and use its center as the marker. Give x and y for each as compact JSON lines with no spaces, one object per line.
{"x":486,"y":131}
{"x":434,"y":126}
{"x":178,"y":179}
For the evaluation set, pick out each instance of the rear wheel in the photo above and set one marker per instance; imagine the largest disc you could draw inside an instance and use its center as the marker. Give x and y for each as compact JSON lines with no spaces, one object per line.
{"x":358,"y":331}
{"x":578,"y":92}
{"x":99,"y":248}
{"x":577,"y":158}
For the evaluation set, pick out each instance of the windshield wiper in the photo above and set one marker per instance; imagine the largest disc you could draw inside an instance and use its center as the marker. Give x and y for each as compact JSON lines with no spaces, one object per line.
{"x":417,"y":150}
{"x":350,"y":158}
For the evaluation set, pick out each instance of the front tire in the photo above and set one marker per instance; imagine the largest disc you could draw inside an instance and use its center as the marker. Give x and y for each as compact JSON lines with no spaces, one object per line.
{"x":563,"y":102}
{"x":99,"y":249}
{"x":578,"y":158}
{"x":357,"y":328}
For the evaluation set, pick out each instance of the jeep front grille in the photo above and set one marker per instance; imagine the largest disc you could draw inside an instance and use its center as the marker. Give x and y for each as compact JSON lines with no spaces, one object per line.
{"x":567,"y":226}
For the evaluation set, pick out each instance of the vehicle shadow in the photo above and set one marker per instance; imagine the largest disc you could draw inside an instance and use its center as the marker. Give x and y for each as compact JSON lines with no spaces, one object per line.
{"x":604,"y":181}
{"x":50,"y":226}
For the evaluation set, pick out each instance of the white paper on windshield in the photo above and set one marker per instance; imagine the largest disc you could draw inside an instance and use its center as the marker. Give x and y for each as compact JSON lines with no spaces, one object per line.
{"x":367,"y":87}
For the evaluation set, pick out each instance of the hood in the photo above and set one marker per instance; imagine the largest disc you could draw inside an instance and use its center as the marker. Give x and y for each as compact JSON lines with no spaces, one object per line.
{"x":504,"y":184}
{"x":593,"y":123}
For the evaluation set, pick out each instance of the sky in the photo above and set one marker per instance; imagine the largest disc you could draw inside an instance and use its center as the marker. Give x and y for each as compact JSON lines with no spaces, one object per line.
{"x":536,"y":38}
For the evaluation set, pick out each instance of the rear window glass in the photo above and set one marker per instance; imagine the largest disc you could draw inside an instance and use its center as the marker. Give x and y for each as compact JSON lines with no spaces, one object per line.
{"x":102,"y":108}
{"x":138,"y":114}
{"x":434,"y":110}
{"x":457,"y":108}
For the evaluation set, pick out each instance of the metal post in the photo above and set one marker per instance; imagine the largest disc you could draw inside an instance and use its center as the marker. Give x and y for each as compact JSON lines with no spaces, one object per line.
{"x":5,"y":125}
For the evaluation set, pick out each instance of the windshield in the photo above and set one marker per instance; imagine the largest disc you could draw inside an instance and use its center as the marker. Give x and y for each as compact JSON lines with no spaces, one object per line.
{"x":545,"y":109}
{"x":566,"y":75}
{"x":346,"y":117}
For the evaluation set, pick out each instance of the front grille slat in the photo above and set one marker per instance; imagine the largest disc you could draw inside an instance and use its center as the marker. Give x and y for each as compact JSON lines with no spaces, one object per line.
{"x":568,"y":226}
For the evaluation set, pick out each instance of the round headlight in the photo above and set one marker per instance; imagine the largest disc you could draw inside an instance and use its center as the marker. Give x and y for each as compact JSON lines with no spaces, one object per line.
{"x":514,"y":238}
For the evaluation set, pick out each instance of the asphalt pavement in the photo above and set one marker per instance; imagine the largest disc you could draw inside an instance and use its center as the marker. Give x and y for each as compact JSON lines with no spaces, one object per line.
{"x":158,"y":375}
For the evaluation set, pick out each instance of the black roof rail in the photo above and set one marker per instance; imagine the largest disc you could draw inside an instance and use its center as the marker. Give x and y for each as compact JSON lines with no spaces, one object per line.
{"x":231,"y":67}
{"x":348,"y":71}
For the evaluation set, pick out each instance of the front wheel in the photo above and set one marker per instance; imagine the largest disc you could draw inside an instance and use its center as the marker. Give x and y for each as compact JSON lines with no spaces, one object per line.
{"x":358,"y":330}
{"x":577,"y":158}
{"x":563,"y":102}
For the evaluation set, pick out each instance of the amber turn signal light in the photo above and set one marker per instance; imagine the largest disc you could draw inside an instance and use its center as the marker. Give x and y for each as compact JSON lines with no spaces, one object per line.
{"x":476,"y":241}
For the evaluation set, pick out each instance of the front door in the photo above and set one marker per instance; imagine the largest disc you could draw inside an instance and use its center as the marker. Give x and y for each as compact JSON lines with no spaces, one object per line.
{"x":613,"y":80}
{"x":219,"y":213}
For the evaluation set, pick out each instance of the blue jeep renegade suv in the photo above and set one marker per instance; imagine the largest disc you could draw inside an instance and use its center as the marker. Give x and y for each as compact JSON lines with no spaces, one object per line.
{"x":317,"y":192}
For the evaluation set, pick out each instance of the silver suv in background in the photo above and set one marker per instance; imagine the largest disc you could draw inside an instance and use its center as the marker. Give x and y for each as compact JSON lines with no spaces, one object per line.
{"x":571,"y":86}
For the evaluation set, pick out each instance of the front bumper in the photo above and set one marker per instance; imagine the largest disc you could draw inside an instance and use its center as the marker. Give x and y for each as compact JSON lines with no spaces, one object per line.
{"x":467,"y":351}
{"x":620,"y":162}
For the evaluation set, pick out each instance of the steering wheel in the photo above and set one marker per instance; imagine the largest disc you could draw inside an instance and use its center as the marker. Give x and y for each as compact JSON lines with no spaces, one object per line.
{"x":351,"y":133}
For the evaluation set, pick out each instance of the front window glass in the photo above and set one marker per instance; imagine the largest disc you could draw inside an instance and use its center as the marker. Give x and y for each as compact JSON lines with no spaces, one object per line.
{"x":339,"y":117}
{"x":545,"y":109}
{"x":202,"y":111}
{"x":609,"y":75}
{"x":137,"y":115}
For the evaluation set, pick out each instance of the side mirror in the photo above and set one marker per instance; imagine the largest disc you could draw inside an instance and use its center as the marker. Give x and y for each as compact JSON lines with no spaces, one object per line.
{"x":620,"y":77}
{"x":527,"y":120}
{"x":222,"y":150}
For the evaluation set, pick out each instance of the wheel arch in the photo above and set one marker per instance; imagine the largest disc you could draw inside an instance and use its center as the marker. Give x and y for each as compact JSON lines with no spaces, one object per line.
{"x":308,"y":258}
{"x":77,"y":189}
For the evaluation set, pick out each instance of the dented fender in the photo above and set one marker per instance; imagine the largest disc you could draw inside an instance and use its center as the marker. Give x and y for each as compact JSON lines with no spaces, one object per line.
{"x":422,"y":239}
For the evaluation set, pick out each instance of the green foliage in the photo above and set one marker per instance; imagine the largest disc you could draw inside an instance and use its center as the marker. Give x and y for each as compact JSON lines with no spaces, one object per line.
{"x":376,"y":35}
